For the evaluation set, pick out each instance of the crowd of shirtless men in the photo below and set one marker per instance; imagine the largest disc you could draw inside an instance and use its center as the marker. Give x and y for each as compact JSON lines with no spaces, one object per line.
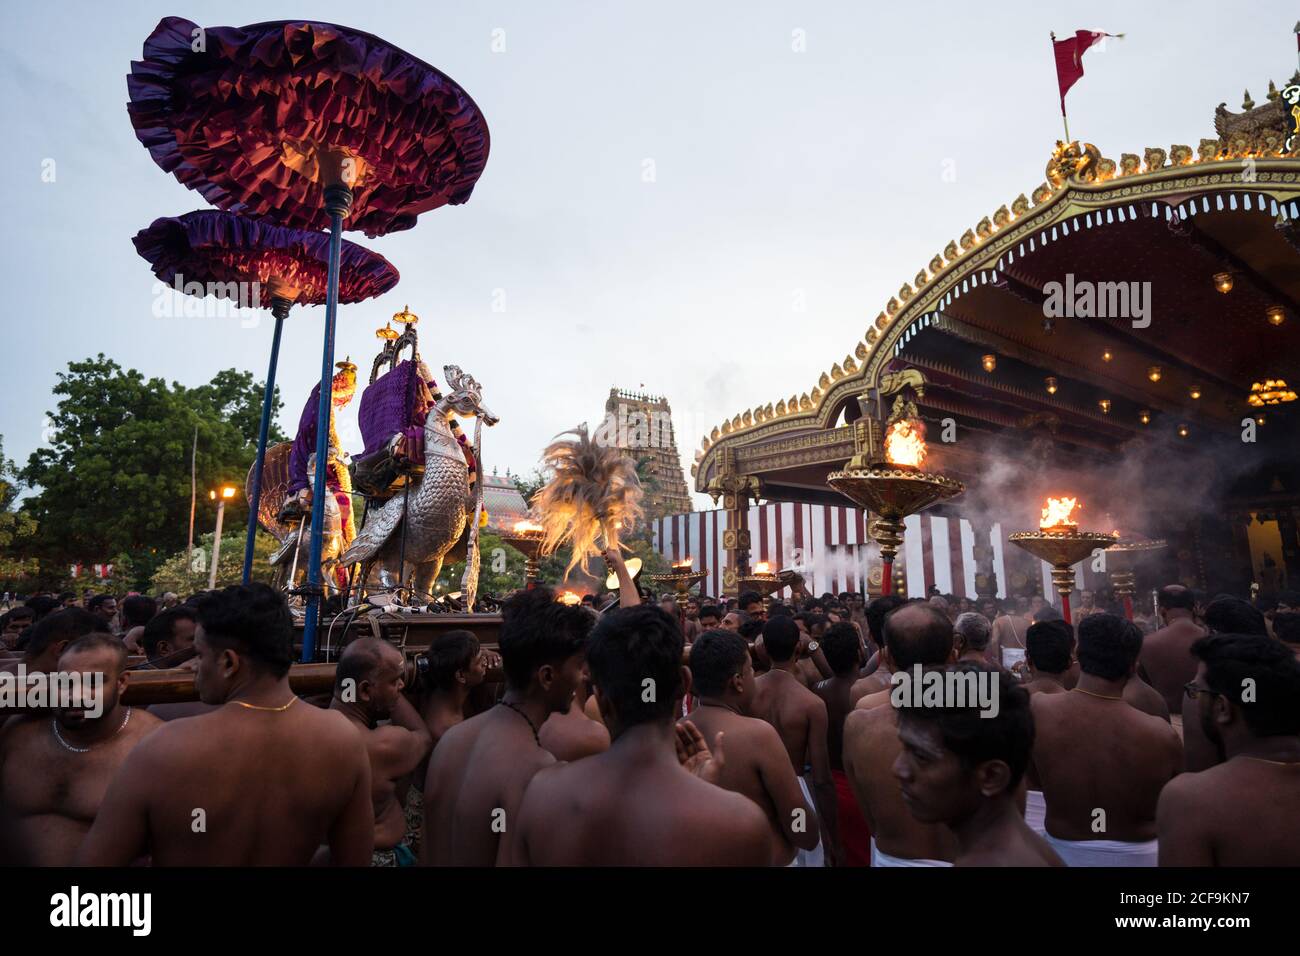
{"x":743,"y":732}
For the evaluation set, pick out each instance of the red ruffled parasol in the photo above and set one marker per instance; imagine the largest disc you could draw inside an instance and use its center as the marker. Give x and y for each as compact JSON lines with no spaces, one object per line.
{"x":253,"y":118}
{"x":307,"y":124}
{"x":208,"y":246}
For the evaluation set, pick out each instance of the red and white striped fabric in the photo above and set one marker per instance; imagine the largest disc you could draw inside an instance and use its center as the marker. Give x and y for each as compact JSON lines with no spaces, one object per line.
{"x":829,"y":546}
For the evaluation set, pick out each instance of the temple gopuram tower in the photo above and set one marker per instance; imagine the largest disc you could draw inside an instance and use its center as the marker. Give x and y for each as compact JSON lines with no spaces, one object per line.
{"x":642,"y":425}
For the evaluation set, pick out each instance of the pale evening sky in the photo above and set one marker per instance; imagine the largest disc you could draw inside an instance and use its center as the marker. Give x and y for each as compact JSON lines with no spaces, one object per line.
{"x":780,"y":177}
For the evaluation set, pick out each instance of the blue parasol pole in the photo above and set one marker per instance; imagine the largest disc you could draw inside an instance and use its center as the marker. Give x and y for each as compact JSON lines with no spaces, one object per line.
{"x":279,"y":309}
{"x":338,"y":202}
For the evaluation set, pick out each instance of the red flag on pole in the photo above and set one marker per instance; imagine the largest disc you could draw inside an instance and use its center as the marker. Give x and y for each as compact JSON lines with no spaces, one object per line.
{"x":1069,"y":58}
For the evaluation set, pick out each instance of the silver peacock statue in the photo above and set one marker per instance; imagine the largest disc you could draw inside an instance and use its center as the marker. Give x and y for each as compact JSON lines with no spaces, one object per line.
{"x":409,"y":535}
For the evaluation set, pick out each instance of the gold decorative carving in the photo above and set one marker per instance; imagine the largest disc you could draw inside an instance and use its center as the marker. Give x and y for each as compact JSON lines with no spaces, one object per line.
{"x":1180,"y":155}
{"x":967,"y":241}
{"x":894,"y":382}
{"x":837,"y":373}
{"x":861,"y":351}
{"x":747,"y":419}
{"x":891,"y":309}
{"x":1042,"y":194}
{"x":936,"y":265}
{"x":984,"y":228}
{"x":872,"y":335}
{"x":920,"y":279}
{"x":905,"y":292}
{"x":950,"y":252}
{"x":780,"y":408}
{"x":1155,"y":159}
{"x":824,"y":382}
{"x":1020,"y":206}
{"x":1129,"y":163}
{"x":1072,"y":161}
{"x":882,"y":320}
{"x":1002,"y":216}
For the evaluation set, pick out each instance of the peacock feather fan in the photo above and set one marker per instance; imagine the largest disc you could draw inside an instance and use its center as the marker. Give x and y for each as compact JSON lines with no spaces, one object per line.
{"x":592,"y":495}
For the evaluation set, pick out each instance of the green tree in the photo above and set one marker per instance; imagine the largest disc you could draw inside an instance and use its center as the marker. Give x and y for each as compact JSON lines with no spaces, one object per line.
{"x":16,"y":531}
{"x":114,"y":479}
{"x":185,"y":575}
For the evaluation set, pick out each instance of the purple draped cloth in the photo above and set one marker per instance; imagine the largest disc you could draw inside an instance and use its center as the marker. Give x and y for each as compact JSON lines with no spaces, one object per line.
{"x":304,"y":443}
{"x":389,"y":407}
{"x":208,"y":246}
{"x":233,"y":118}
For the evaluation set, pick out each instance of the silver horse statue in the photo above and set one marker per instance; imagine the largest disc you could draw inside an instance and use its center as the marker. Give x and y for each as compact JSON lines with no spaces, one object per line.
{"x":290,"y":559}
{"x":409,"y":535}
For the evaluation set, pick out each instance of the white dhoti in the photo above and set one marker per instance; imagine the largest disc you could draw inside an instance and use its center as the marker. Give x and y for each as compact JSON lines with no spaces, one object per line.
{"x":884,"y":859}
{"x":1036,"y":811}
{"x":1105,"y":852}
{"x":816,"y":856}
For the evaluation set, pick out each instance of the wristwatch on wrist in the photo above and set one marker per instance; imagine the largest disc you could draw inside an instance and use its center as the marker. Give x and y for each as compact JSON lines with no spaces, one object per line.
{"x":812,"y":647}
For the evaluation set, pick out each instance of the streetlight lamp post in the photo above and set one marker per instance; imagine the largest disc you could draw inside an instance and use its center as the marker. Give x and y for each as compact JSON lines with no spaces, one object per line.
{"x":227,"y":492}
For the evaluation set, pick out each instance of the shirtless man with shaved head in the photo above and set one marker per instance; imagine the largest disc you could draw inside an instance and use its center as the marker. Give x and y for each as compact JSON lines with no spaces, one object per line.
{"x":1257,"y":736}
{"x":263,"y":780}
{"x":800,"y":718}
{"x":1101,"y":761}
{"x":914,"y":634}
{"x":1167,"y":654}
{"x":480,"y":768}
{"x":640,"y":802}
{"x":368,"y":684}
{"x":722,"y":676}
{"x":56,"y":767}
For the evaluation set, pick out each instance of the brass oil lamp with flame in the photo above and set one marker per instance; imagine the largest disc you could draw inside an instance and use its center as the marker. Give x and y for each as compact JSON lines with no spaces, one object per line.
{"x":895,"y":485}
{"x":1060,"y":543}
{"x":682,"y":577}
{"x":766,"y":582}
{"x":1122,"y":557}
{"x":526,"y":538}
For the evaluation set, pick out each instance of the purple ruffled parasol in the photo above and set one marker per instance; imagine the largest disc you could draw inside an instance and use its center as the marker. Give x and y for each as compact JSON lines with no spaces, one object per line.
{"x":208,"y":246}
{"x":252,"y":117}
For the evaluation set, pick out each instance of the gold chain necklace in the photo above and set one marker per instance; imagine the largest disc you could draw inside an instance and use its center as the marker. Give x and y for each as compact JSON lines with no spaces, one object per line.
{"x":1277,"y":763}
{"x":54,"y":724}
{"x":1098,"y":696}
{"x":274,"y":710}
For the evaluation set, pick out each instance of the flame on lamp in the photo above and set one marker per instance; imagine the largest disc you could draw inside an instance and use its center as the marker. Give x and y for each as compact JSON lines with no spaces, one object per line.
{"x":905,"y":443}
{"x":528,"y":527}
{"x":1057,"y":514}
{"x":685,"y":563}
{"x":762,"y":568}
{"x":569,"y":598}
